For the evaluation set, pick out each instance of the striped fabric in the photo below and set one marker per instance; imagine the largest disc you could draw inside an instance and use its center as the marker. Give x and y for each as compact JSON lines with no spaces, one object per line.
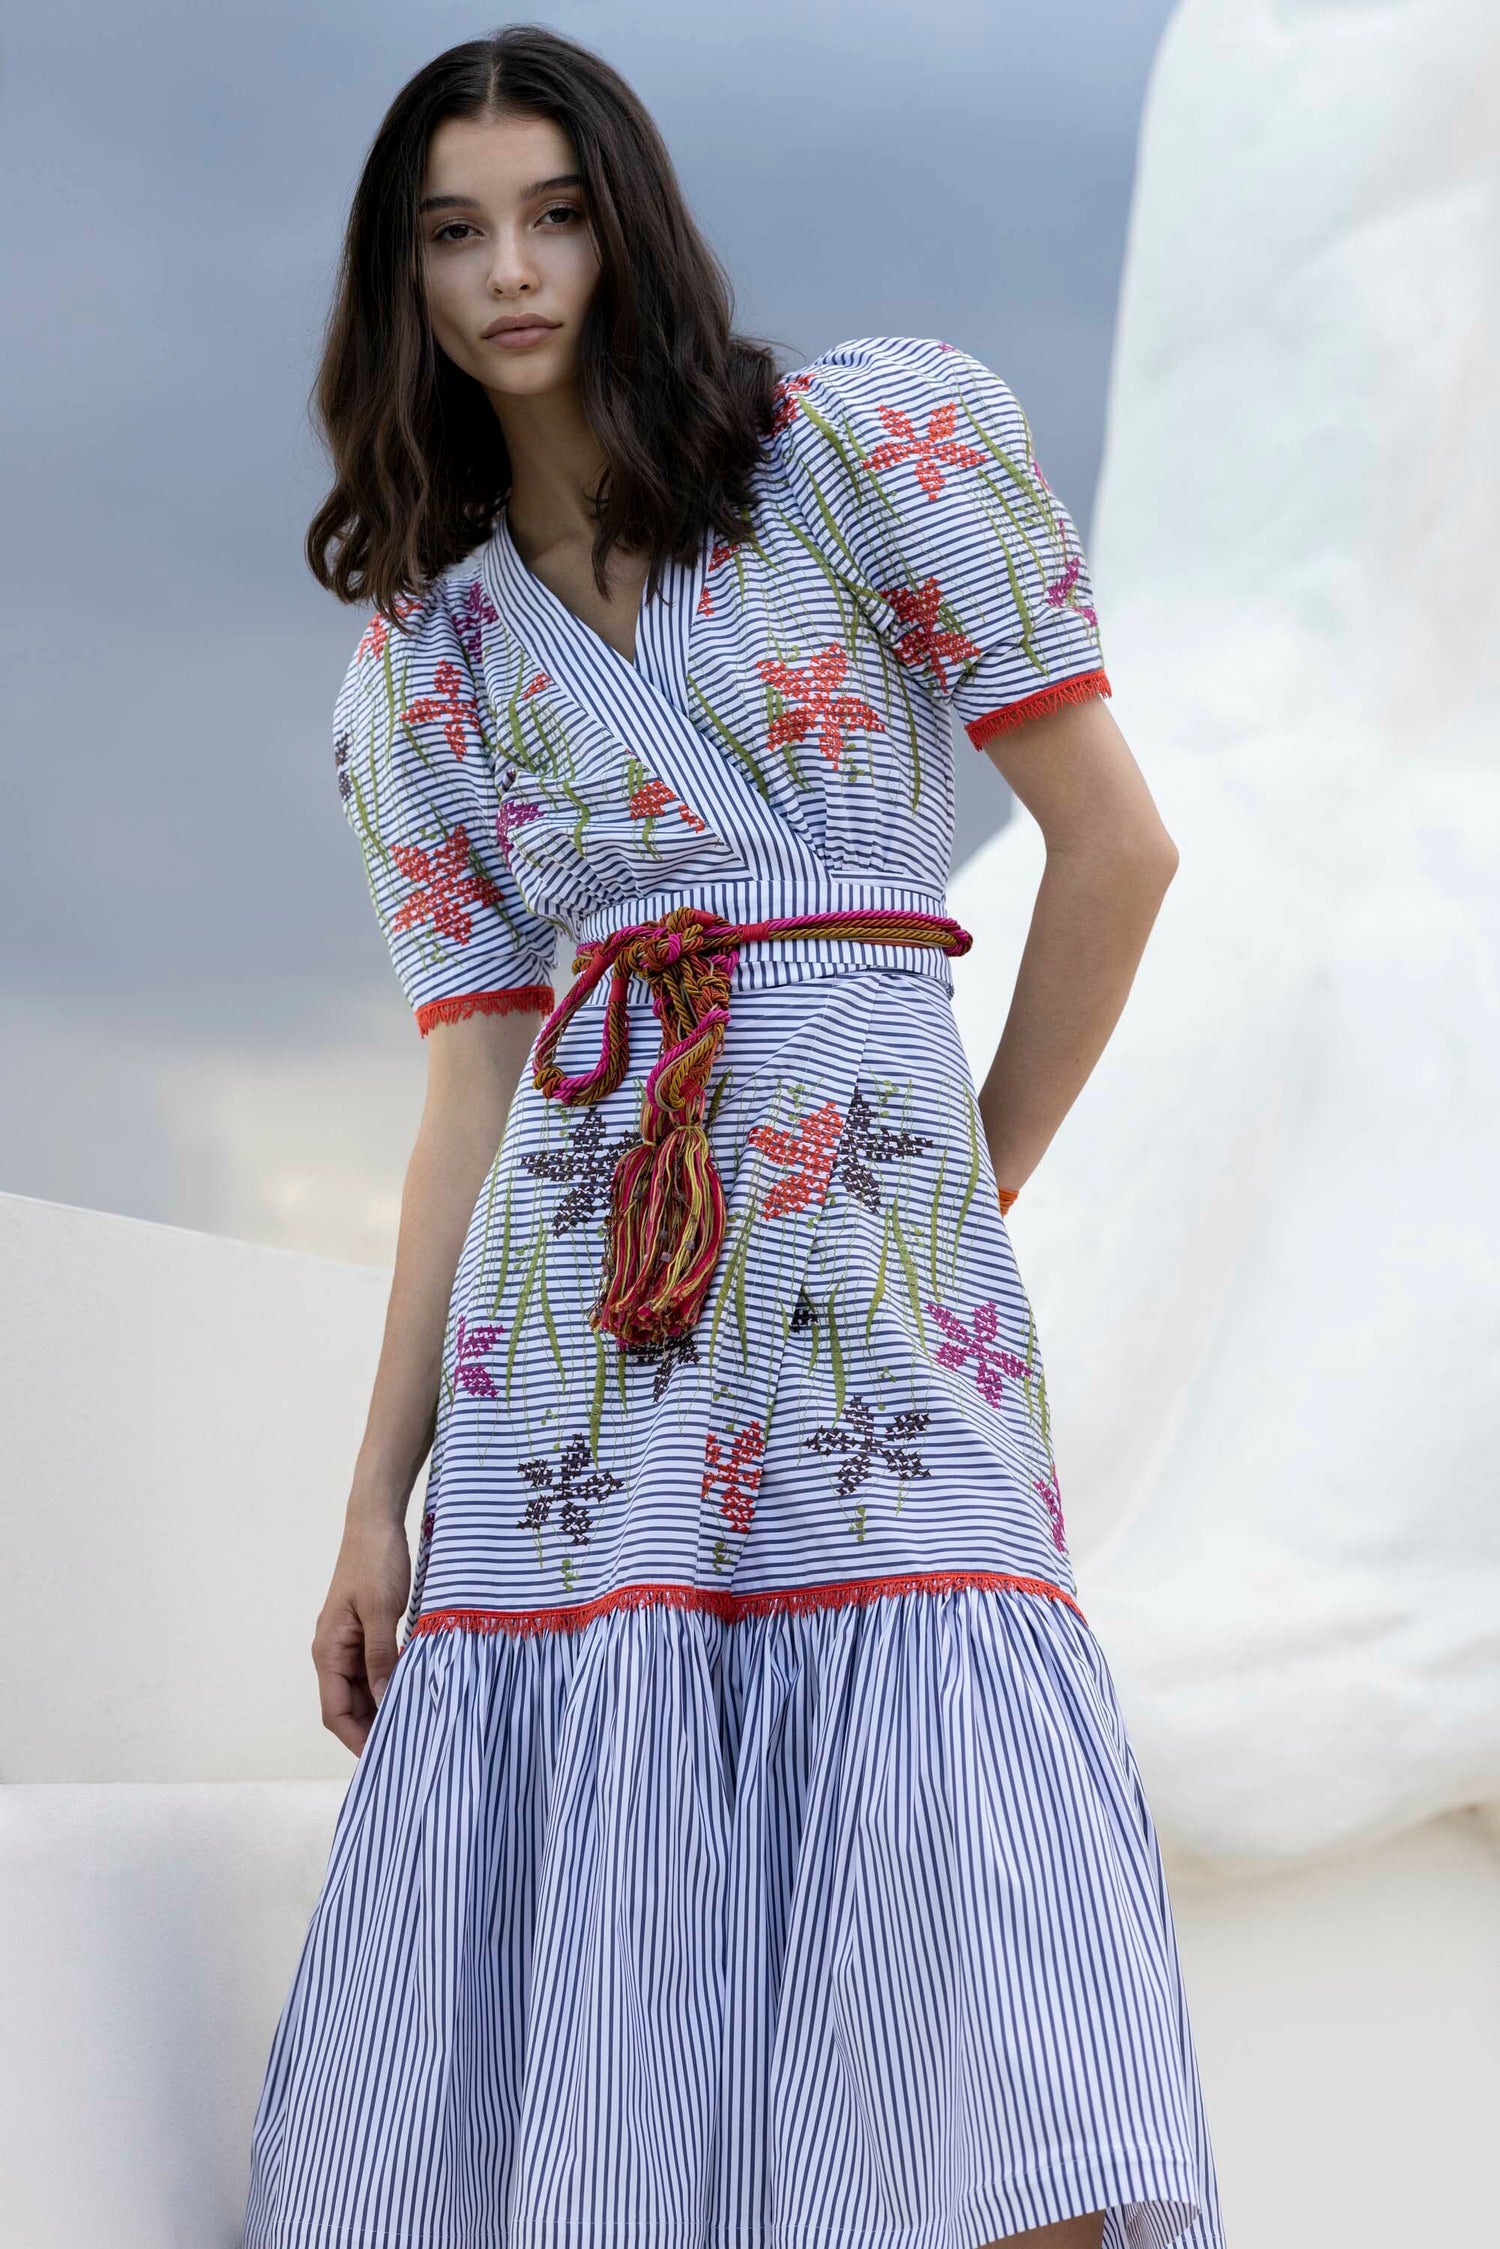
{"x":748,"y":1839}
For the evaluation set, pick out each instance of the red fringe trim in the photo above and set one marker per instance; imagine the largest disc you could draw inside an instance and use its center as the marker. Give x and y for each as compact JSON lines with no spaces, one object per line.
{"x":525,"y":999}
{"x":1080,"y":690}
{"x":793,"y":1600}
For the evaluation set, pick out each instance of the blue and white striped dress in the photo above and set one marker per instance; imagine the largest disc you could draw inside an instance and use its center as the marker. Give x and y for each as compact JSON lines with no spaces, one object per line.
{"x":747,"y":1843}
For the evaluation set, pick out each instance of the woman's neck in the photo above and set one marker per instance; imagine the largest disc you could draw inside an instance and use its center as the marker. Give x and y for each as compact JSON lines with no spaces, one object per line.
{"x":556,"y":463}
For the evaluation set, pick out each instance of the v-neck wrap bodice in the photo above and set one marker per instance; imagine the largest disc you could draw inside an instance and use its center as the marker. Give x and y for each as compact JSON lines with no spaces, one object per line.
{"x":783,"y":742}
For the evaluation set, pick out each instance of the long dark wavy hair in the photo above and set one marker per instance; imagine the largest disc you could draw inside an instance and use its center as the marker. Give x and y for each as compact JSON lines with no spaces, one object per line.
{"x":680,"y":404}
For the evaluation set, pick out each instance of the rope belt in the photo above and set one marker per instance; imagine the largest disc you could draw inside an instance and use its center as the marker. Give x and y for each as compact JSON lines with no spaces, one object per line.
{"x":666,"y":1216}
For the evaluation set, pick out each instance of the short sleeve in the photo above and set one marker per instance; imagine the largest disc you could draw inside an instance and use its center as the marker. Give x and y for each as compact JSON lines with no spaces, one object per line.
{"x":912,"y":466}
{"x":415,"y":766}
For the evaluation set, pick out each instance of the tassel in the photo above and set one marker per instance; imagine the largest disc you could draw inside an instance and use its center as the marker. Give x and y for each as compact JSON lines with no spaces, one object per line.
{"x":666,"y":1228}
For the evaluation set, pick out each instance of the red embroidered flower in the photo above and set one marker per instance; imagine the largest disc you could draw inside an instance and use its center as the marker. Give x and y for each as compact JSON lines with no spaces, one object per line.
{"x":508,"y":819}
{"x":806,"y":1155}
{"x":446,"y":887}
{"x":723,"y":549}
{"x":649,"y":799}
{"x":810,"y":689}
{"x":538,"y":686}
{"x":691,"y":818}
{"x":927,"y":452}
{"x":785,"y":394}
{"x":377,"y":633}
{"x":735,"y":1474}
{"x":450,"y":704}
{"x":925,"y":644}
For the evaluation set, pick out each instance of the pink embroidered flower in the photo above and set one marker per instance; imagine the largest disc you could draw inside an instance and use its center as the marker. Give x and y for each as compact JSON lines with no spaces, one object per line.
{"x":807,"y":1155}
{"x":786,"y":396}
{"x":449,"y":704}
{"x":1052,"y":1499}
{"x":991,"y":1359}
{"x":810,"y":690}
{"x":938,"y":446}
{"x":735,"y":1474}
{"x":469,"y":1370}
{"x":926,"y":643}
{"x":1061,"y":591}
{"x":538,"y":686}
{"x":377,"y":633}
{"x":651,"y":798}
{"x":508,"y":819}
{"x":446,"y":887}
{"x":475,"y":612}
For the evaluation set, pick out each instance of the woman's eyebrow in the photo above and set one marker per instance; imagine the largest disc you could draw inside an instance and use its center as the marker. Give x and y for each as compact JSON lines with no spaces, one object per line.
{"x":469,"y":203}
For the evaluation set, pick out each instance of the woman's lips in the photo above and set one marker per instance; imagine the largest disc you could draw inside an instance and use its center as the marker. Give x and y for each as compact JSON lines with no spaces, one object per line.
{"x":519,"y":339}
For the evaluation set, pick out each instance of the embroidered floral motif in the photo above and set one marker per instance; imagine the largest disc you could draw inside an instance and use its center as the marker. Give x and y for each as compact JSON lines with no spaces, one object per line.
{"x":651,"y":798}
{"x":804,"y":1314}
{"x":735,"y":1474}
{"x":538,"y":686}
{"x":446,"y":887}
{"x":477,"y":612}
{"x":992,"y":1360}
{"x":473,"y":1347}
{"x":722,"y":550}
{"x":925,"y":644}
{"x":1060,"y":592}
{"x":866,"y":1141}
{"x":508,"y":819}
{"x":676,"y":1351}
{"x":585,"y":1165}
{"x":377,"y":632}
{"x":815,"y":706}
{"x":807,"y":1155}
{"x":451,"y":705}
{"x":1052,"y":1498}
{"x":931,"y":453}
{"x":786,"y":395}
{"x":341,"y":764}
{"x":574,"y":1484}
{"x":856,"y":1436}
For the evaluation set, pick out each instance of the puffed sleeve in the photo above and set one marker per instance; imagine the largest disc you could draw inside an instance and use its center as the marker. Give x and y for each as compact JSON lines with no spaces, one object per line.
{"x":912,"y":466}
{"x":414,"y":757}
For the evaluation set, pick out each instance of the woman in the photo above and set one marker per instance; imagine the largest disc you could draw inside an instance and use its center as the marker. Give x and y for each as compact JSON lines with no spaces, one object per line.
{"x":745,"y":1837}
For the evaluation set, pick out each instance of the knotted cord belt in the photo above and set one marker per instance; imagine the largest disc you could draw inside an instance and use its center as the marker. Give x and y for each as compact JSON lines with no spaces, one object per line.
{"x":666,"y":1216}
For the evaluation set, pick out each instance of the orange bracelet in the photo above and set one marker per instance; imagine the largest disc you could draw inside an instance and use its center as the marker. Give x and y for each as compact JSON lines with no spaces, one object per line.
{"x":1007,"y":1197}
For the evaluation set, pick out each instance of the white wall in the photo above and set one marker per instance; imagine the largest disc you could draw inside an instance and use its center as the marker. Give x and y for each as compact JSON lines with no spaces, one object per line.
{"x":181,"y":1415}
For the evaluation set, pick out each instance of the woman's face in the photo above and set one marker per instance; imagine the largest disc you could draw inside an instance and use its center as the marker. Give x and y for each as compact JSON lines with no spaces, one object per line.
{"x":509,"y":261}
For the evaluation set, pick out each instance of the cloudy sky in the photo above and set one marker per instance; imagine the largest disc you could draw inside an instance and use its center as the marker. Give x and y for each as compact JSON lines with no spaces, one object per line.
{"x":199,"y":1021}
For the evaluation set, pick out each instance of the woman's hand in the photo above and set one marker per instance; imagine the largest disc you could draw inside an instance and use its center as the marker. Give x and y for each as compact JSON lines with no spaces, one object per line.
{"x":354,"y":1646}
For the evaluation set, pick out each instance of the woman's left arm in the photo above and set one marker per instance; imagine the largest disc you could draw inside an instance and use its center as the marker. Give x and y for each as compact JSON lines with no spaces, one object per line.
{"x":1109,"y":861}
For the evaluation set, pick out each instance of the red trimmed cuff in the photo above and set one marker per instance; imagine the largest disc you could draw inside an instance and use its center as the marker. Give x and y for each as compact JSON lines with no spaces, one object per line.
{"x":1079,"y":690}
{"x":522,"y":999}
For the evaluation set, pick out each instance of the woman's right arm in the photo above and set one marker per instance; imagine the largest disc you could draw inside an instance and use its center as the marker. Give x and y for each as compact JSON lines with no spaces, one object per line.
{"x":473,"y":1067}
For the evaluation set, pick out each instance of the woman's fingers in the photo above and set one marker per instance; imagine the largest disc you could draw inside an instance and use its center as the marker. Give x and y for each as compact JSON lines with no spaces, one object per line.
{"x":354,"y":1655}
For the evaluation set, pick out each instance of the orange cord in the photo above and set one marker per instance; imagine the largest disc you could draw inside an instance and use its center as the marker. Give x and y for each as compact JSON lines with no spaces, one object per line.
{"x":1007,"y":1197}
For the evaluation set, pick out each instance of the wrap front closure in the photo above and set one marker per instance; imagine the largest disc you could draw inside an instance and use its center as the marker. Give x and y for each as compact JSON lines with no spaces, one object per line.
{"x":666,"y":1216}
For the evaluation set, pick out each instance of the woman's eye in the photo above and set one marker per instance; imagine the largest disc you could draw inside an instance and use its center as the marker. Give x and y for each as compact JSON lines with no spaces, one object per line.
{"x":563,"y":211}
{"x":444,"y":232}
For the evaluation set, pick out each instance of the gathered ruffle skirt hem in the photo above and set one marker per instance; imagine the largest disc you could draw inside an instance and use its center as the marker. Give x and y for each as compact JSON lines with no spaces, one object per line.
{"x":846,"y":1925}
